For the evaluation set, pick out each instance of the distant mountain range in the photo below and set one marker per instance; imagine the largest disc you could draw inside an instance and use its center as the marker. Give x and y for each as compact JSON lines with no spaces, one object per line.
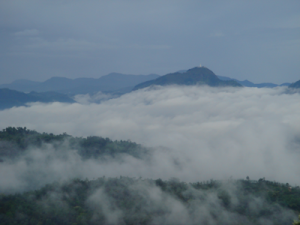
{"x":247,"y":83}
{"x":10,"y":98}
{"x":113,"y":83}
{"x":194,"y":76}
{"x":295,"y":85}
{"x":61,"y":89}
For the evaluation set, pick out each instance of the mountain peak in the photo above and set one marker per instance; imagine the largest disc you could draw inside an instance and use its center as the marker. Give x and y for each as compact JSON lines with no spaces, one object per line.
{"x":200,"y":69}
{"x":295,"y":84}
{"x":194,"y":76}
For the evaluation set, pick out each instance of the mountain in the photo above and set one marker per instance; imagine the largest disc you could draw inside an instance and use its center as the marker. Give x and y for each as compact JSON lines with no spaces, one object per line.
{"x":19,"y":85}
{"x":113,"y":82}
{"x":10,"y":98}
{"x":248,"y":83}
{"x":194,"y":76}
{"x":285,"y":84}
{"x":295,"y":85}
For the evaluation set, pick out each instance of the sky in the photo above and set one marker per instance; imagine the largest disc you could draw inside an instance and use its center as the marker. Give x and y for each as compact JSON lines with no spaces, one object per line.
{"x":255,"y":40}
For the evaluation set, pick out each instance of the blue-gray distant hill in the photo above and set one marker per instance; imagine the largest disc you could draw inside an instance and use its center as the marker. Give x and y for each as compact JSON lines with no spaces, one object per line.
{"x":295,"y":85}
{"x":10,"y":98}
{"x":194,"y":76}
{"x":248,"y":83}
{"x":112,"y":83}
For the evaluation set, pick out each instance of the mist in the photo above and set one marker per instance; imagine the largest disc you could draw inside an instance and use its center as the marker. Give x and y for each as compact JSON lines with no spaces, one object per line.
{"x":196,"y":134}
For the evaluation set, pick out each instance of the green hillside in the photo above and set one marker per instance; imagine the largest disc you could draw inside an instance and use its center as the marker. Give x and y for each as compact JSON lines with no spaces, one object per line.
{"x":16,"y":141}
{"x":131,"y":201}
{"x":128,"y":200}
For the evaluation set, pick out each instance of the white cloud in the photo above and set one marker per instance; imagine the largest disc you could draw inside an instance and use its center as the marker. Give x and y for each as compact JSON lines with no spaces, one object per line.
{"x":95,"y":98}
{"x":210,"y":133}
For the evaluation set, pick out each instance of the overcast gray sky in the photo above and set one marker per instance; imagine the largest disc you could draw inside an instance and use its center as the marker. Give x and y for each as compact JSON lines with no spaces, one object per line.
{"x":254,"y":40}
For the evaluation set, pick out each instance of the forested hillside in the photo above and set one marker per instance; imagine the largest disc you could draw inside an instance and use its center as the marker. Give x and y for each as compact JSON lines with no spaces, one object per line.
{"x":16,"y":141}
{"x":125,"y":200}
{"x":137,"y":201}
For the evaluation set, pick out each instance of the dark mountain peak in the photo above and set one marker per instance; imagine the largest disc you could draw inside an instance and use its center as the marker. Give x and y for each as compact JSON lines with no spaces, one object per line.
{"x":200,"y":68}
{"x":295,"y":85}
{"x":201,"y":72}
{"x":194,"y":76}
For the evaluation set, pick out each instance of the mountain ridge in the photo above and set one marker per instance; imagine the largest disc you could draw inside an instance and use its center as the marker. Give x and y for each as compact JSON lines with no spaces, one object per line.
{"x":10,"y":98}
{"x":295,"y":84}
{"x":108,"y":83}
{"x":248,"y":83}
{"x":193,"y":76}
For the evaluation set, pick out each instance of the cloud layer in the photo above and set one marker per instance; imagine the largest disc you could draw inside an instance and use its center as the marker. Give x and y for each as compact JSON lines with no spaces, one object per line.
{"x":198,"y":133}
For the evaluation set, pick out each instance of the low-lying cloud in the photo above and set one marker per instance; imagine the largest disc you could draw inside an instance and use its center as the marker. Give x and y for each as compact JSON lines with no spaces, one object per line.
{"x":199,"y":133}
{"x":93,"y":98}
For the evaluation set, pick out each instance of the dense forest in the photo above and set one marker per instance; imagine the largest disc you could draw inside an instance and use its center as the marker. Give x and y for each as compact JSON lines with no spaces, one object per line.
{"x":129,"y":200}
{"x":137,"y":201}
{"x":15,"y":141}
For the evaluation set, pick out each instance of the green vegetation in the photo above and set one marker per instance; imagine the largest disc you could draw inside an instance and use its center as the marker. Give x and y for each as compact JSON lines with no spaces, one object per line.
{"x":137,"y":201}
{"x":194,"y":76}
{"x":297,"y":222}
{"x":127,"y":200}
{"x":16,"y":141}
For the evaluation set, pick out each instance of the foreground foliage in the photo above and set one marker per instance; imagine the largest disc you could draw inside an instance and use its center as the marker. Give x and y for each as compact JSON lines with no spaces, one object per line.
{"x":135,"y":201}
{"x":127,"y":200}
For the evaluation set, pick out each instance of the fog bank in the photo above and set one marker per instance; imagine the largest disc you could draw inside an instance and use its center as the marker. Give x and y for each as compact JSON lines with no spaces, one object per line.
{"x":199,"y":133}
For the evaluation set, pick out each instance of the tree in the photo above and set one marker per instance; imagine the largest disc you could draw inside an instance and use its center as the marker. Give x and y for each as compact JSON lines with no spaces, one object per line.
{"x":297,"y":222}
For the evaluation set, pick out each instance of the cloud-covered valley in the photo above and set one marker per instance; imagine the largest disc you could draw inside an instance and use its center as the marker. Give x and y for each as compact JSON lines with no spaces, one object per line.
{"x":197,"y":133}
